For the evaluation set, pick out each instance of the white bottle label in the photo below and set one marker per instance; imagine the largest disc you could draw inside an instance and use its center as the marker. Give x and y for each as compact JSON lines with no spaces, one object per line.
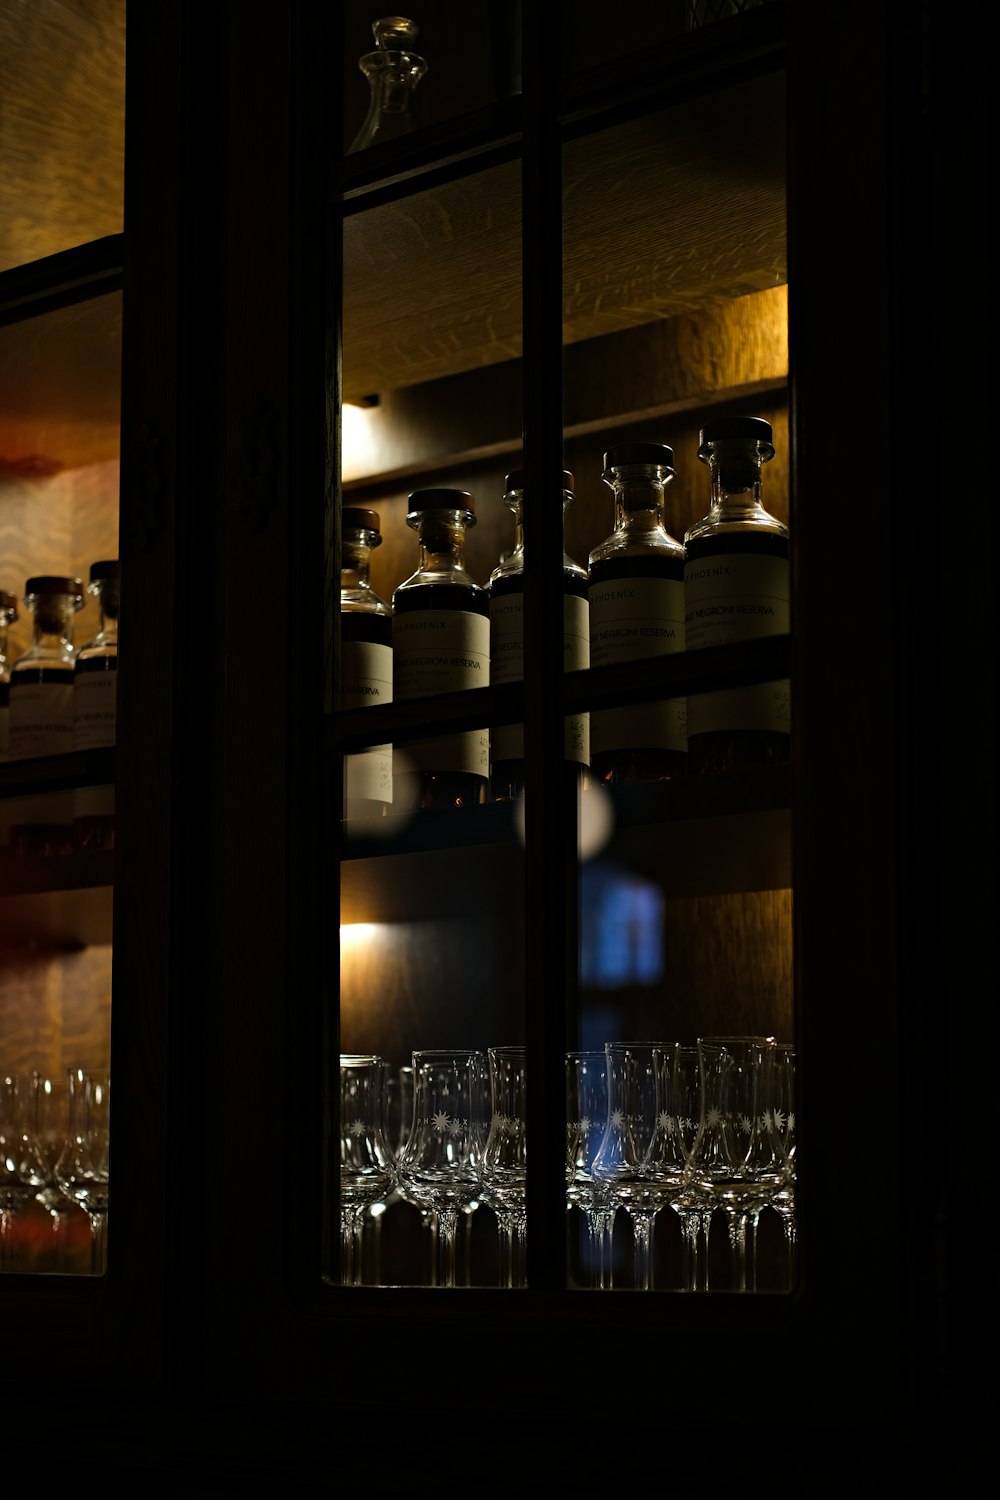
{"x":632,"y":618}
{"x":507,"y":665}
{"x":729,"y":598}
{"x":94,"y":701}
{"x":443,"y":651}
{"x":41,"y":719}
{"x":367,"y":673}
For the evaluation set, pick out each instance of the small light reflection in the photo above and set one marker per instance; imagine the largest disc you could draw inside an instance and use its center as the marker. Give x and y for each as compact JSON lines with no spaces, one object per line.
{"x":595,"y":822}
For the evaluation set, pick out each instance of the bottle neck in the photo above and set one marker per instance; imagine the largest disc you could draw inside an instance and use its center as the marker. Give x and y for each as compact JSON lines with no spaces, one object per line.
{"x":442,"y":549}
{"x":639,"y":502}
{"x":107,"y":599}
{"x":52,"y":628}
{"x":737,"y":482}
{"x":355,"y":564}
{"x":392,"y":79}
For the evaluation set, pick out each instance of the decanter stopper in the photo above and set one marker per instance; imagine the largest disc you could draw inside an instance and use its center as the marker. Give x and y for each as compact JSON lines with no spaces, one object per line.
{"x":393,"y":72}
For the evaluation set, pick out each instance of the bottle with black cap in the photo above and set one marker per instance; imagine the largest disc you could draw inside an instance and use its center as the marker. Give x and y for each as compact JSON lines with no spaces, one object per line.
{"x":365,"y":661}
{"x":637,"y":611}
{"x":41,"y":710}
{"x":506,"y":587}
{"x":441,"y":644}
{"x":736,"y":585}
{"x":95,"y":700}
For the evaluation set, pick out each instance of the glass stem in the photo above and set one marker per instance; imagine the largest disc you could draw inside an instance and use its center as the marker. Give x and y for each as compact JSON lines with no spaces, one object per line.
{"x":642,"y":1224}
{"x":98,"y":1242}
{"x":447,"y":1234}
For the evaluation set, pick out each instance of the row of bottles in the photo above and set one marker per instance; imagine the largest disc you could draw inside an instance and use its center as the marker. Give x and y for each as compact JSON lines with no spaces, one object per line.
{"x":56,"y":698}
{"x":644,"y":594}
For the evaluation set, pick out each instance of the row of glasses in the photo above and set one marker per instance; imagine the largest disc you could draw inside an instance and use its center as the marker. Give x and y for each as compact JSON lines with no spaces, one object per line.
{"x":706,"y":1130}
{"x":701,"y":1130}
{"x":55,"y":1144}
{"x":463,"y":1144}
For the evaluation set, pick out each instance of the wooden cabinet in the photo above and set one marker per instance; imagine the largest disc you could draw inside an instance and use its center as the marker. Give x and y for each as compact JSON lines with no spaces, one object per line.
{"x":584,"y":242}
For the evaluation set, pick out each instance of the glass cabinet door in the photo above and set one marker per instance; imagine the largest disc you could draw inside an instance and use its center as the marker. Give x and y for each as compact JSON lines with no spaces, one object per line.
{"x":62,"y":165}
{"x":592,"y":280}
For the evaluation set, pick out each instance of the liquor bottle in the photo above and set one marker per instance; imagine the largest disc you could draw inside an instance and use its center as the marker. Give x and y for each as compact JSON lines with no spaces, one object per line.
{"x":95,"y":697}
{"x":637,"y":611}
{"x":393,"y":71}
{"x":366,"y":661}
{"x":506,"y":586}
{"x":736,"y":586}
{"x":441,"y":644}
{"x":41,"y":710}
{"x":8,"y":614}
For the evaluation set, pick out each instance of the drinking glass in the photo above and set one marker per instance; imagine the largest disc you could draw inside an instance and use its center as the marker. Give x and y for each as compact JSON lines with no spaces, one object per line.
{"x":734,"y":1163}
{"x":22,"y":1171}
{"x":783,"y":1118}
{"x":438,"y":1167}
{"x":667,"y":1164}
{"x":367,"y":1166}
{"x":50,"y":1119}
{"x":586,"y":1121}
{"x":83,"y":1168}
{"x":504,"y":1165}
{"x":619,"y":1163}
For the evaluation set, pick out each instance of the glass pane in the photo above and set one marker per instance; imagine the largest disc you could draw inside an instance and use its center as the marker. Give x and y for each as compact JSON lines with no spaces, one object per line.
{"x":62,"y":125}
{"x":432,"y":942}
{"x":59,"y":490}
{"x":675,"y":267}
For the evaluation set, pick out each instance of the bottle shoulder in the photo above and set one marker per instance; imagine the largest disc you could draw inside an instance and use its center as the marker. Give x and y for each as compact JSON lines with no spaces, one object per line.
{"x":737,"y":531}
{"x":654,"y":542}
{"x":363,"y":601}
{"x":57,"y":658}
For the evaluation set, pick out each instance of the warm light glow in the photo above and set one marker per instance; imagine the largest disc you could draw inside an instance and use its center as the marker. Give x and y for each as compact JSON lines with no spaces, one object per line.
{"x":359,"y":441}
{"x":355,"y":935}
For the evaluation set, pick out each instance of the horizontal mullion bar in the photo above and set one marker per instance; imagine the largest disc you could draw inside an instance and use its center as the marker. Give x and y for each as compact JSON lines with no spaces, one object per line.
{"x":684,"y":672}
{"x":75,"y":275}
{"x":57,"y":773}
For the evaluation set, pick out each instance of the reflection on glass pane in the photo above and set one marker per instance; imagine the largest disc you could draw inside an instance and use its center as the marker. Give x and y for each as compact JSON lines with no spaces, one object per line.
{"x":62,"y":82}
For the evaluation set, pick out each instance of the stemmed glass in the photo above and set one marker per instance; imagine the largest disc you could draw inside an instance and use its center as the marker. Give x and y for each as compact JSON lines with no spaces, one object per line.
{"x":22,"y":1171}
{"x":586,"y":1120}
{"x":367,"y":1167}
{"x":83,"y":1168}
{"x":667,"y":1163}
{"x":734,"y":1163}
{"x":438,"y":1167}
{"x":50,"y":1117}
{"x":504,"y":1166}
{"x":620,"y":1160}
